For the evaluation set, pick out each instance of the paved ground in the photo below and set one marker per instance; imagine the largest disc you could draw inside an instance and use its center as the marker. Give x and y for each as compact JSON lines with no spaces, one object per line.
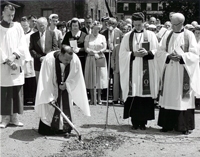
{"x":118,"y":140}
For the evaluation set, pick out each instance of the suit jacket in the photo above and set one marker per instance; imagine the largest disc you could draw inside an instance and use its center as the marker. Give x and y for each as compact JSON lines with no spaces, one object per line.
{"x":35,"y":48}
{"x":115,"y":59}
{"x":85,"y":30}
{"x":117,"y":36}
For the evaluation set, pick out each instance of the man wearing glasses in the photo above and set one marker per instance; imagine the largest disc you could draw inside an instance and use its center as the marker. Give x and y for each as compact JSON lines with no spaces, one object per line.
{"x":178,"y":61}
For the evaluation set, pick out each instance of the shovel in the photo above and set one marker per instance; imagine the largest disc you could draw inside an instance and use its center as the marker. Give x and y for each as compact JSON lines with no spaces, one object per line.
{"x":67,"y":119}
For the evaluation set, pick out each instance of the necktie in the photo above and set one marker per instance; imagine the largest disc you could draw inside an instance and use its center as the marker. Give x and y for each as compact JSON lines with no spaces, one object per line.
{"x":42,"y":40}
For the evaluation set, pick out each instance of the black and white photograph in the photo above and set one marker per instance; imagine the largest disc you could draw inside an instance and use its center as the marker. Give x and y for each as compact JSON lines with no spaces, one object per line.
{"x":100,"y":78}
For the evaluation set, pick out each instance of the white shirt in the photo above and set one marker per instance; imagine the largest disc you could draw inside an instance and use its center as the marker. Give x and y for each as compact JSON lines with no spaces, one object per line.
{"x":42,"y":40}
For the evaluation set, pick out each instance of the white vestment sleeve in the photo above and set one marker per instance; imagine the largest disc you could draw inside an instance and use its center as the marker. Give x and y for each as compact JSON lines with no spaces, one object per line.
{"x":191,"y":60}
{"x":46,"y":88}
{"x":76,"y":85}
{"x":22,"y":49}
{"x":124,"y":65}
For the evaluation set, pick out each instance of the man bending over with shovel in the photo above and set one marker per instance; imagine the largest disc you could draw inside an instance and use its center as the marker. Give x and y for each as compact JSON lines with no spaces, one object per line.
{"x":61,"y":83}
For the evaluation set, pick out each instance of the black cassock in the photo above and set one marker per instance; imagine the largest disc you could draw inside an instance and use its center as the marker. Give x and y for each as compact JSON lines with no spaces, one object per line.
{"x":62,"y":96}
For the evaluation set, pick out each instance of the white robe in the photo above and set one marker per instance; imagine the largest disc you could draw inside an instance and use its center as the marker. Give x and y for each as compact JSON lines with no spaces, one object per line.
{"x":173,"y":80}
{"x":29,"y":65}
{"x":47,"y":89}
{"x":12,"y":40}
{"x":137,"y":70}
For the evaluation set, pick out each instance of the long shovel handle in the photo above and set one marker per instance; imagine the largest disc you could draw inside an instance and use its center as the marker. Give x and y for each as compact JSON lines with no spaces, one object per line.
{"x":67,"y":119}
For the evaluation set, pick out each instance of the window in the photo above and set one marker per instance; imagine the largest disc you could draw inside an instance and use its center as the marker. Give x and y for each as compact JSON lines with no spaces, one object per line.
{"x":149,"y":6}
{"x":126,"y":7}
{"x":138,"y":6}
{"x":99,"y":13}
{"x":47,"y":12}
{"x":155,"y":6}
{"x":92,"y":14}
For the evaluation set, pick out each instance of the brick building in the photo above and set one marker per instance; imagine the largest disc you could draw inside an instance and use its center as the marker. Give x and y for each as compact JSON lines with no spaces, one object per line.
{"x":125,"y":8}
{"x":66,"y":9}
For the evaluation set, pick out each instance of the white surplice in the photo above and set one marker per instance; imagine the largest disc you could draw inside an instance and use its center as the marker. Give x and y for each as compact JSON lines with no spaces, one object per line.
{"x":47,"y":89}
{"x":173,"y":79}
{"x":137,"y":66}
{"x":12,"y":40}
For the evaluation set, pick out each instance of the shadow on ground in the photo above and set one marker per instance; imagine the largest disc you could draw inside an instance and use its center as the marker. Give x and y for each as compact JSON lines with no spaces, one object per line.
{"x":25,"y":135}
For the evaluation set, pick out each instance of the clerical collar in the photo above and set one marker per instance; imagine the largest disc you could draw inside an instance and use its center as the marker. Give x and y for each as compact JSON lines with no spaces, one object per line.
{"x":6,"y":24}
{"x":180,"y":31}
{"x":137,"y":31}
{"x":28,"y":31}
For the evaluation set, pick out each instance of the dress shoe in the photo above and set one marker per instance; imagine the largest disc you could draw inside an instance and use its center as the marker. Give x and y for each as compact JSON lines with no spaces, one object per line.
{"x":15,"y":121}
{"x":165,"y":130}
{"x":187,"y":132}
{"x":134,"y":127}
{"x":115,"y":102}
{"x":99,"y":102}
{"x":142,"y":127}
{"x":5,"y":121}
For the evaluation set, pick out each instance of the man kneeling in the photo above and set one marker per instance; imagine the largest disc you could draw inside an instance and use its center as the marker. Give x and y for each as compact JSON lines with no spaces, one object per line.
{"x":61,"y":81}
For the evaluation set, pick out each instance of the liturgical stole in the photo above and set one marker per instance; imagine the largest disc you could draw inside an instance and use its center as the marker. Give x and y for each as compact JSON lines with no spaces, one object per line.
{"x":61,"y":94}
{"x":145,"y":79}
{"x":186,"y":78}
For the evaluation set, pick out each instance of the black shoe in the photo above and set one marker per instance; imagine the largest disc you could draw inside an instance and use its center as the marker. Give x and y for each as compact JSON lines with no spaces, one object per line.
{"x":135,"y":127}
{"x":142,"y":127}
{"x":115,"y":102}
{"x":187,"y":132}
{"x":164,"y":130}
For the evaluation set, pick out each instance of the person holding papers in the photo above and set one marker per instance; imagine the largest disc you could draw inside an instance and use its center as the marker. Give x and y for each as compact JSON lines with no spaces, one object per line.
{"x":75,"y":39}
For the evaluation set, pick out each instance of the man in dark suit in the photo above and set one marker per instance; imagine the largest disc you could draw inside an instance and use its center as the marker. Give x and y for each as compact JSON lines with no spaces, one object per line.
{"x":113,"y":37}
{"x":88,"y":25}
{"x":41,"y":43}
{"x":113,"y":34}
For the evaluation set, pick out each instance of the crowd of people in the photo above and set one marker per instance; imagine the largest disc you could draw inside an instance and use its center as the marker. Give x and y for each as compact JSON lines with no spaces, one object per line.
{"x":70,"y":61}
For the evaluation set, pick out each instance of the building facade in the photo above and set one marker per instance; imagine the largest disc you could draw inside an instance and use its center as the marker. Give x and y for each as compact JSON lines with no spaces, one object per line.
{"x":125,"y":8}
{"x":66,"y":9}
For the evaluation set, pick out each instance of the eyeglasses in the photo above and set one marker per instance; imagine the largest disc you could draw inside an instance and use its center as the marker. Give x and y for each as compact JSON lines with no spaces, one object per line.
{"x":176,"y":24}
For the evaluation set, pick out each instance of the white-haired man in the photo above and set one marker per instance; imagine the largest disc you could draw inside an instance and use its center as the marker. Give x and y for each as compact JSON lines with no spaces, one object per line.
{"x":41,"y":43}
{"x":178,"y":61}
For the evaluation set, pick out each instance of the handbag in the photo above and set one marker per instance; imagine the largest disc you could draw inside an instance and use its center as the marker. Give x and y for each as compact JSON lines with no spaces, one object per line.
{"x":101,"y":62}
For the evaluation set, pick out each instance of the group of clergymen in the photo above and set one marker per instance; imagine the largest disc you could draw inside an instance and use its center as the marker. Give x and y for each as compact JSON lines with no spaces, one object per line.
{"x":151,"y":65}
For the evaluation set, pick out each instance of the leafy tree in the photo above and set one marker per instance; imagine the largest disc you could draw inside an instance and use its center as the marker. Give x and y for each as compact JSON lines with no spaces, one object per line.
{"x":189,"y":8}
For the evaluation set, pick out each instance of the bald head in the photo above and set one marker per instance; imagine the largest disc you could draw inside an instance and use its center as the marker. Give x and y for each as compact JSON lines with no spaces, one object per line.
{"x":152,"y":20}
{"x":128,"y":21}
{"x":66,"y":54}
{"x":178,"y":17}
{"x":177,"y":21}
{"x":194,"y":23}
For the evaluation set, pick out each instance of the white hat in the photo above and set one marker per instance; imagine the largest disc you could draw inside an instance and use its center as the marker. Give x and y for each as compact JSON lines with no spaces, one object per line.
{"x":81,"y":20}
{"x":53,"y":15}
{"x":152,"y":26}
